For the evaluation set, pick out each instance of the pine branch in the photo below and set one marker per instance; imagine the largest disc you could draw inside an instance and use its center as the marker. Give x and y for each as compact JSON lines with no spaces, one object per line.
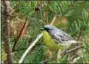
{"x":68,"y":9}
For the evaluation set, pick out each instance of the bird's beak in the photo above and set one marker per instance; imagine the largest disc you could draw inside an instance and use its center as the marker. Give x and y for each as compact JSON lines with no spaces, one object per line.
{"x":41,"y":28}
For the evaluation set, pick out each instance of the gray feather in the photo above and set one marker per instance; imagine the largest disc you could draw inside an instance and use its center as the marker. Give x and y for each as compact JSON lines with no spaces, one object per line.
{"x":60,"y":36}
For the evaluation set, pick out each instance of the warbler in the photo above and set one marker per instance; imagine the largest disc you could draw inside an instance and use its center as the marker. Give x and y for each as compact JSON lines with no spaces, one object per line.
{"x":55,"y":38}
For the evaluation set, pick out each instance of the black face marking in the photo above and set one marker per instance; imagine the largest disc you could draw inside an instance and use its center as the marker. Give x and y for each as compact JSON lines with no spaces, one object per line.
{"x":48,"y":27}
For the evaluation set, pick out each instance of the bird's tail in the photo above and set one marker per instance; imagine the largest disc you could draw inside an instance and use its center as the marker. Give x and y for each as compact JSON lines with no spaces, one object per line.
{"x":68,"y":43}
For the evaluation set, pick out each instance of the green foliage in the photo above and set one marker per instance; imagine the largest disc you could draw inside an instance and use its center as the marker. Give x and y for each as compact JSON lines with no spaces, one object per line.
{"x":86,"y":52}
{"x":60,"y":7}
{"x":25,"y":9}
{"x":64,"y":59}
{"x":81,"y":24}
{"x":76,"y":12}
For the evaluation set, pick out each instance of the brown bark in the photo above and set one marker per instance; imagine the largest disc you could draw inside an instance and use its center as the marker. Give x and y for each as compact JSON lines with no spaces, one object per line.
{"x":5,"y":31}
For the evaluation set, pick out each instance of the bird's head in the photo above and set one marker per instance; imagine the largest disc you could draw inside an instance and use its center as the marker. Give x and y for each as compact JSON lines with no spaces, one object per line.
{"x":48,"y":27}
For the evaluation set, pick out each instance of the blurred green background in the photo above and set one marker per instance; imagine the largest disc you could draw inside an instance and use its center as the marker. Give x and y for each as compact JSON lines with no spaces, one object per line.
{"x":73,"y":18}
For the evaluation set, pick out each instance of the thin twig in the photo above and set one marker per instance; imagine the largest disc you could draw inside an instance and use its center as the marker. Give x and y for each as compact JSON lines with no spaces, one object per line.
{"x":55,"y":17}
{"x":44,"y":61}
{"x":18,"y":36}
{"x":30,"y":47}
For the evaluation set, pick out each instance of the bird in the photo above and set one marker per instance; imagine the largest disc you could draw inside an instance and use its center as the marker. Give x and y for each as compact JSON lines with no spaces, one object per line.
{"x":55,"y":38}
{"x":58,"y":42}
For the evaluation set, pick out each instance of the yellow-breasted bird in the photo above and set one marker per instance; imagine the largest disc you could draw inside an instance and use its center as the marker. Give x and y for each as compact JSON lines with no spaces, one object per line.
{"x":55,"y":38}
{"x":58,"y":41}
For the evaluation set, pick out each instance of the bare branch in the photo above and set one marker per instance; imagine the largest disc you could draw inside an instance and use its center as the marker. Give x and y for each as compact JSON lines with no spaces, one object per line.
{"x":30,"y":47}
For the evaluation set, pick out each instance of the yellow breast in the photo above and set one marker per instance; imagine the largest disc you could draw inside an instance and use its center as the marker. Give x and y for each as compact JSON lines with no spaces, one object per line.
{"x":49,"y":42}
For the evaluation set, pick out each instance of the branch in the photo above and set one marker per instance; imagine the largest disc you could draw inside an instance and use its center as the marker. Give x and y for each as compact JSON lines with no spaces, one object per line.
{"x":30,"y":47}
{"x":55,"y":17}
{"x":5,"y":29}
{"x":44,"y":61}
{"x":19,"y":35}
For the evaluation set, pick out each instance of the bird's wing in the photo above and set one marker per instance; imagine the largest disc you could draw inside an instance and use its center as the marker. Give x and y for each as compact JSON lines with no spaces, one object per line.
{"x":61,"y":36}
